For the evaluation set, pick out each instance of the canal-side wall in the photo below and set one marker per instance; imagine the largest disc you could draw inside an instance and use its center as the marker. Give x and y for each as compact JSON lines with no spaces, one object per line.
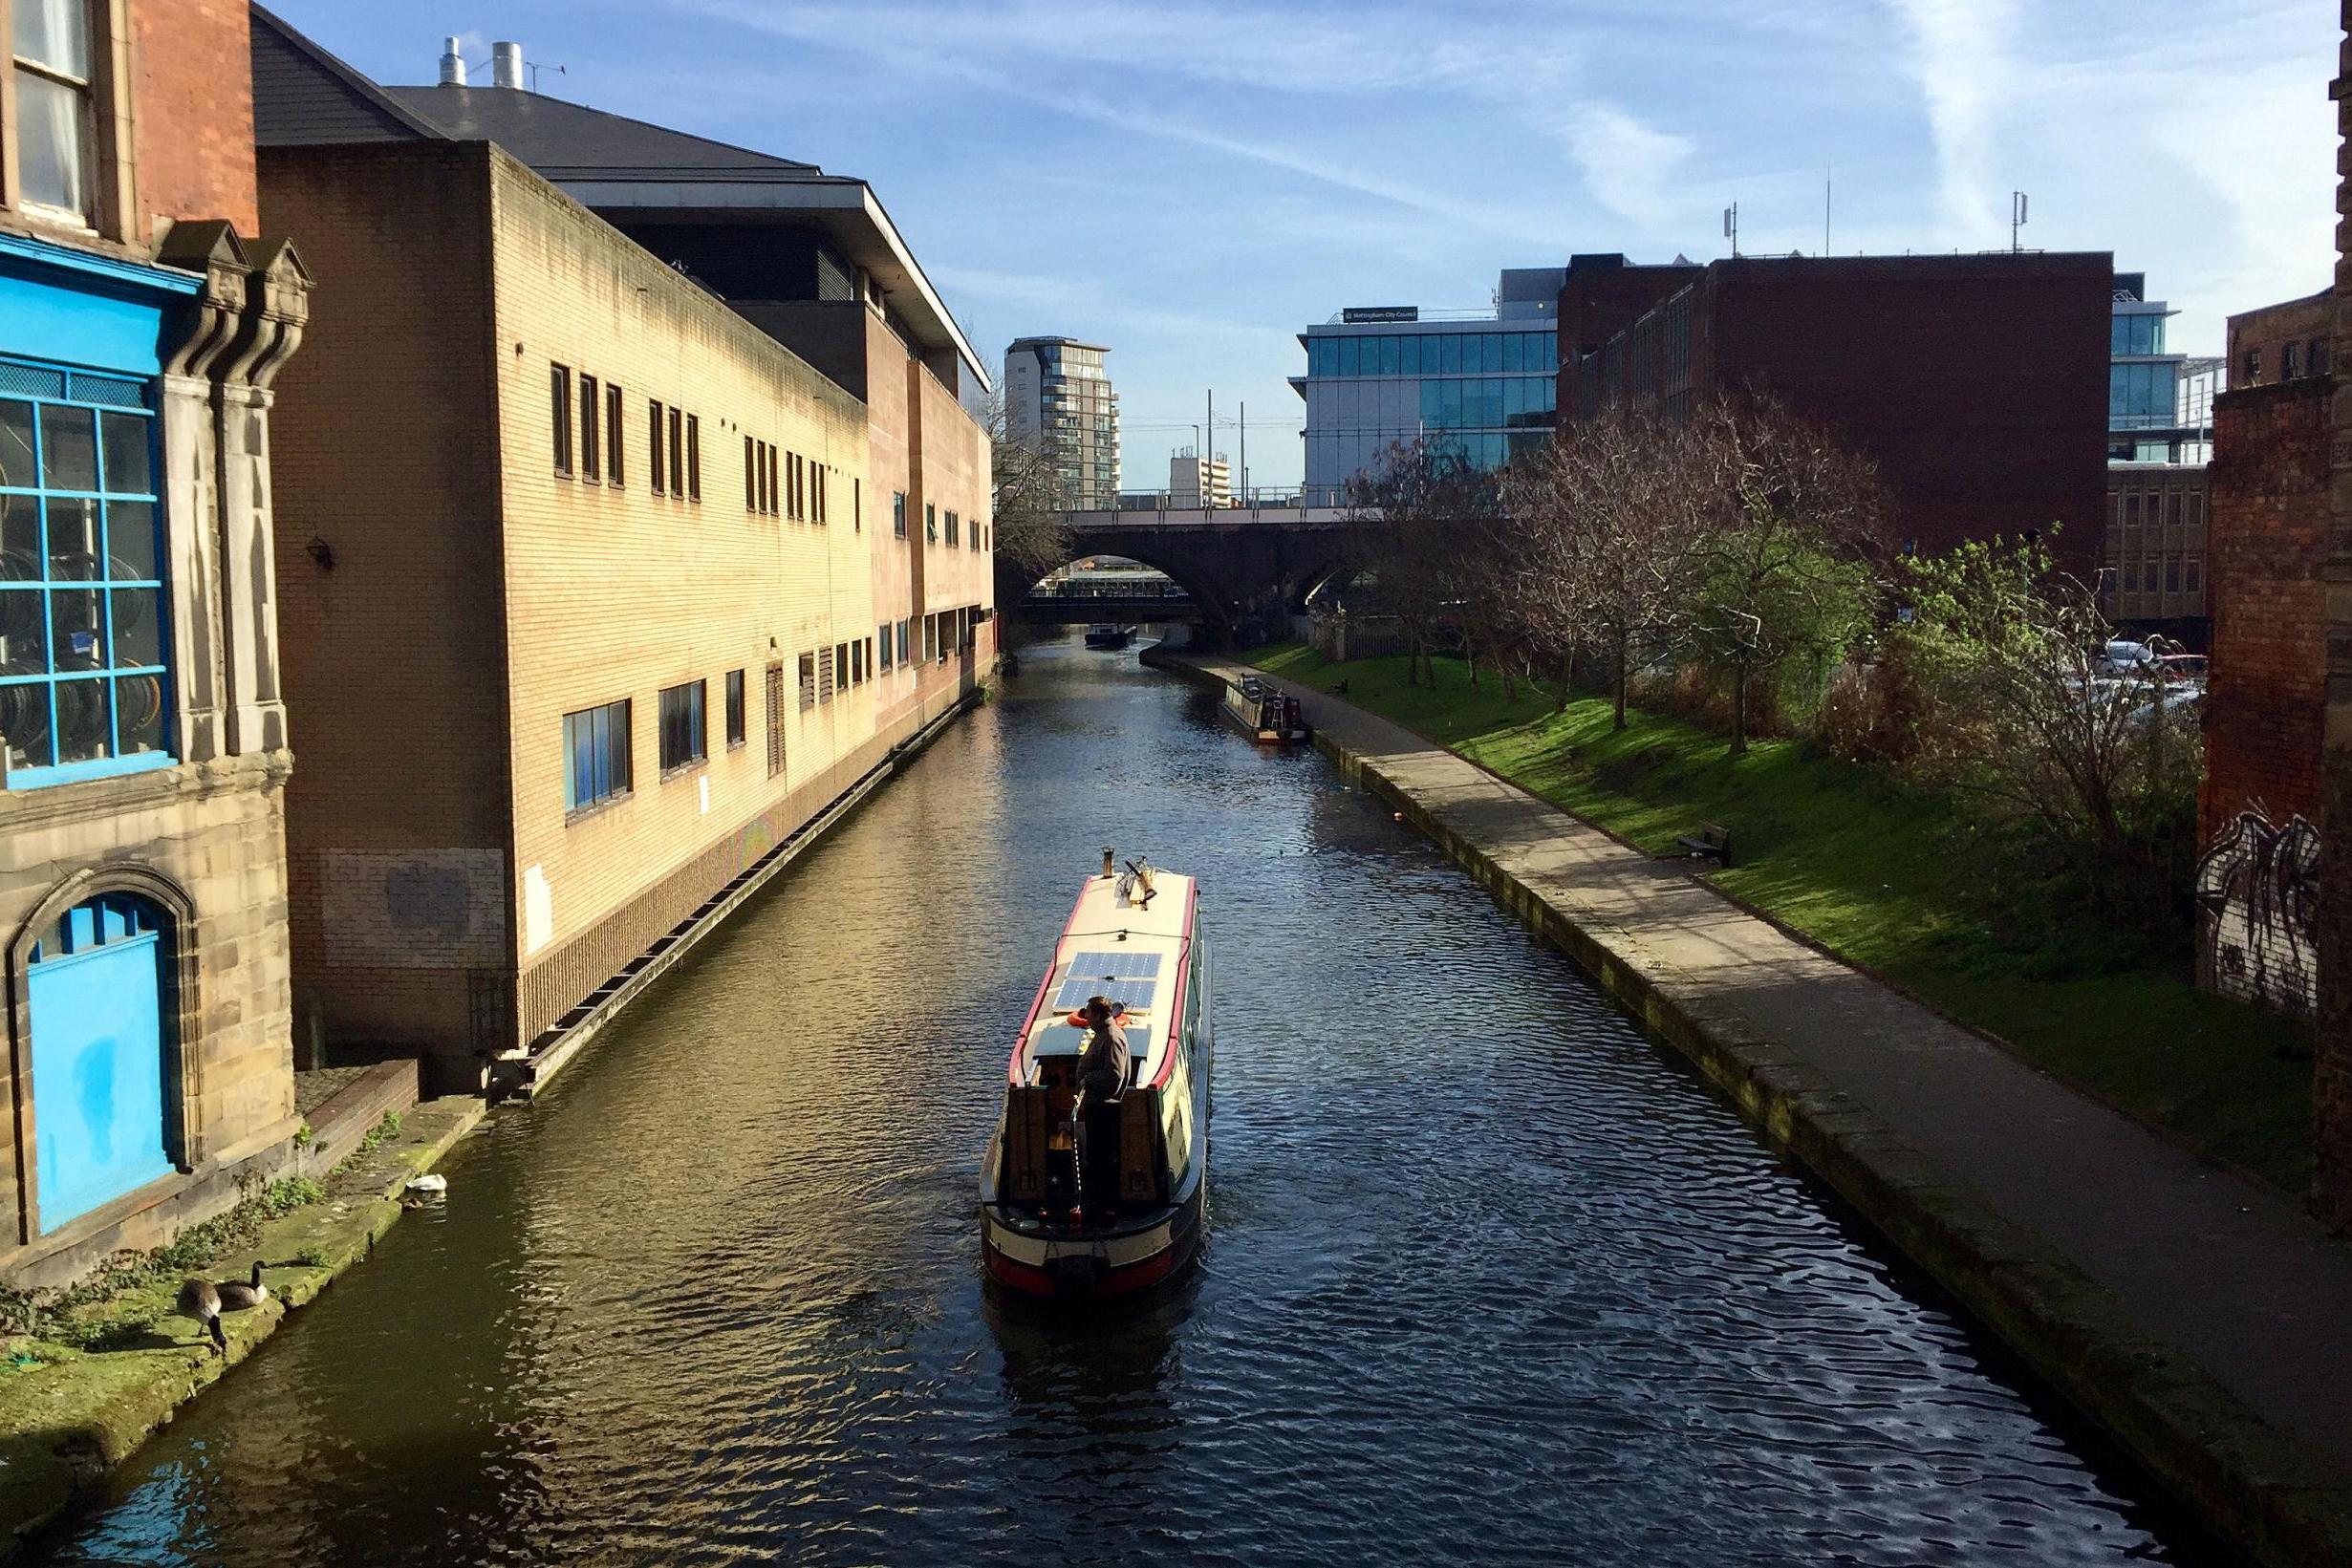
{"x":2105,"y":1325}
{"x":778,"y":846}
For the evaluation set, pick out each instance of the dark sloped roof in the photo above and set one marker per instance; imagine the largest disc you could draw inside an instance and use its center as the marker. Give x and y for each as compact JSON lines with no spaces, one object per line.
{"x":563,"y":139}
{"x":305,"y":97}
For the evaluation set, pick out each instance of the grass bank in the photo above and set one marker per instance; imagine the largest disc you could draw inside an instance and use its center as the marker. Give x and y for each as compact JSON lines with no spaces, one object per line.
{"x":1882,"y":876}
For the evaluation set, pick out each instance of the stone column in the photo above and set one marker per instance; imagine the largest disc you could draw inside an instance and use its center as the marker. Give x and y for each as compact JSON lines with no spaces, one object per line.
{"x":2332,"y":1056}
{"x":276,"y":309}
{"x":189,"y":482}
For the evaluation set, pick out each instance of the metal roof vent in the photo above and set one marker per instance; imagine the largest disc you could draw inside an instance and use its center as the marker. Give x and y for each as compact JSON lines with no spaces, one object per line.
{"x":507,"y":65}
{"x":452,"y":64}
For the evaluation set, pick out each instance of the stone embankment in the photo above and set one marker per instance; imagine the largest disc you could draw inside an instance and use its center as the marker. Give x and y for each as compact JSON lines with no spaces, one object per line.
{"x":2200,"y":1318}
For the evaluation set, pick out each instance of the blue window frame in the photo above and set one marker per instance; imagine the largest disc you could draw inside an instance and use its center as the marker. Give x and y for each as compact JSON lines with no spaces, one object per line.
{"x":595,"y":755}
{"x":682,"y":715}
{"x":83,"y":680}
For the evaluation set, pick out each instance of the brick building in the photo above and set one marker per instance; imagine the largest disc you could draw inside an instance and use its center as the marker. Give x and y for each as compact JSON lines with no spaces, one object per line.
{"x":2156,"y":567}
{"x":142,"y":732}
{"x":2332,"y":1058}
{"x":1978,"y":383}
{"x":596,"y":584}
{"x":2283,"y":342}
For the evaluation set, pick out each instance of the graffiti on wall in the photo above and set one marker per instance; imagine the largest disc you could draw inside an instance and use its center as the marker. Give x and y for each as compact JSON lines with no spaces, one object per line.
{"x":2258,"y":915}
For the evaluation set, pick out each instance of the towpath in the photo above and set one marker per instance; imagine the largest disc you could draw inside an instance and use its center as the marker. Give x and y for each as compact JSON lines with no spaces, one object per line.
{"x":2203,"y":1318}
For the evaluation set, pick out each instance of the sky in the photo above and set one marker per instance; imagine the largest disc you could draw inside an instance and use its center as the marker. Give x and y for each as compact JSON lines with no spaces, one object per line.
{"x":1192,"y":181}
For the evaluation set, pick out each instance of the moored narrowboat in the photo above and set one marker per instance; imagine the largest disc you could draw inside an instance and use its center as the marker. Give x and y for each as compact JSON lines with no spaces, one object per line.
{"x":1265,"y":712}
{"x":1087,"y":1193}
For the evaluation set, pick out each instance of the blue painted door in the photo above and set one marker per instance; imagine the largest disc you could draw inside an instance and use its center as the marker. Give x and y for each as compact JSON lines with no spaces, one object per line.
{"x":97,"y":1073}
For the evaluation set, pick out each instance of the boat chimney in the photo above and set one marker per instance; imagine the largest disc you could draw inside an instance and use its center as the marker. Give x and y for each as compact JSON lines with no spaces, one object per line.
{"x":1108,"y":857}
{"x":452,"y":64}
{"x":507,"y":65}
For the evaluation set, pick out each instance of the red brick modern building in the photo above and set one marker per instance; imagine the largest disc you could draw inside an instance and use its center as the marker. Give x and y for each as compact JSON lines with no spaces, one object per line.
{"x":1978,"y":383}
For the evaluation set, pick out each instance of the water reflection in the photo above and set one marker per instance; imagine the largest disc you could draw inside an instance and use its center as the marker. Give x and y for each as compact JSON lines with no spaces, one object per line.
{"x":1488,"y":1279}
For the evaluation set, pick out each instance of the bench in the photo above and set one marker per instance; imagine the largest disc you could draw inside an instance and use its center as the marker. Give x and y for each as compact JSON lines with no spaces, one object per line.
{"x":1710,"y":843}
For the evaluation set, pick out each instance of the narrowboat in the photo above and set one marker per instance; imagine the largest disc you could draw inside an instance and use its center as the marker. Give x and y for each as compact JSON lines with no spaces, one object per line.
{"x":1107,"y":635}
{"x":1080,"y":1201}
{"x":1265,"y":712}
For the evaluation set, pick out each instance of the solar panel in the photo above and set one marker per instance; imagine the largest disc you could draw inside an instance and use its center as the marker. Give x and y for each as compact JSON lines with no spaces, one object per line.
{"x":1125,"y":966}
{"x":1079,"y":989}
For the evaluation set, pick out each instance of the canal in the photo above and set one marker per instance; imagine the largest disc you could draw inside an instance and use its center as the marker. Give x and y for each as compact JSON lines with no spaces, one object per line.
{"x":1489,"y":1278}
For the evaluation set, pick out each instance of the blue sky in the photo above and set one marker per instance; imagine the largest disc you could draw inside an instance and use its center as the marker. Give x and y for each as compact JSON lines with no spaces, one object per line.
{"x":1191,"y":181}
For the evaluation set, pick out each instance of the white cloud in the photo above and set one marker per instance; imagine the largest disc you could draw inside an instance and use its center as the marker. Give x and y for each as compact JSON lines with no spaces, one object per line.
{"x":1960,"y":57}
{"x":1628,"y":164}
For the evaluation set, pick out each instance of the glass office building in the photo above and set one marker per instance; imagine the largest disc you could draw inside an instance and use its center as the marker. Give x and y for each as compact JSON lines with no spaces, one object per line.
{"x":2159,"y":403}
{"x":1378,"y":375}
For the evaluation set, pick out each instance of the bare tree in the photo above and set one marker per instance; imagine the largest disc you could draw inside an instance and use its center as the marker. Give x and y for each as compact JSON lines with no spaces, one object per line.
{"x":1784,"y":567}
{"x":1426,"y":505}
{"x":1610,"y":520}
{"x":1030,"y":502}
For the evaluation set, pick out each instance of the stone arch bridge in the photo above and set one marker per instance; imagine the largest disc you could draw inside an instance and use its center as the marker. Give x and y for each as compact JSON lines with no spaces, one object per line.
{"x":1245,"y":568}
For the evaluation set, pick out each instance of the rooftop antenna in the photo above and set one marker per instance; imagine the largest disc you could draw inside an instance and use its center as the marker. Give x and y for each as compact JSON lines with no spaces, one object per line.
{"x":2016,"y":218}
{"x":535,"y":68}
{"x":1731,"y":227}
{"x":1825,"y":214}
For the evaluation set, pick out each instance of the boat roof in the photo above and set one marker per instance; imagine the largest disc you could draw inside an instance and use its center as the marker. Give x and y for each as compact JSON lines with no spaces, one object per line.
{"x":1123,"y":948}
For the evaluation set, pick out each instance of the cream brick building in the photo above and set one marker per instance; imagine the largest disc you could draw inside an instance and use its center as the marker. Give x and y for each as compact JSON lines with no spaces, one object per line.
{"x":593,"y":588}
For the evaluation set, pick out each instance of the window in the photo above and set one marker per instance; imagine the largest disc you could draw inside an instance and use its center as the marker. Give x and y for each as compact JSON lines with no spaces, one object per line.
{"x":682,"y":725}
{"x":816,"y":493}
{"x":905,"y":634}
{"x":883,"y":642}
{"x":776,"y":719}
{"x":612,"y":436}
{"x":56,"y":121}
{"x":841,"y":665}
{"x":774,"y":506}
{"x":84,"y":688}
{"x":735,"y":708}
{"x":678,"y":451}
{"x":2315,"y":363}
{"x":870,"y":655}
{"x":2253,"y":366}
{"x":2290,"y":361}
{"x":898,"y":514}
{"x":824,"y":674}
{"x":693,"y":458}
{"x":972,"y":534}
{"x":653,"y":428}
{"x":931,"y":523}
{"x":857,"y":662}
{"x":808,"y":681}
{"x":559,"y":397}
{"x":595,"y":755}
{"x":952,"y":538}
{"x":751,"y":476}
{"x":592,"y":460}
{"x":857,"y":505}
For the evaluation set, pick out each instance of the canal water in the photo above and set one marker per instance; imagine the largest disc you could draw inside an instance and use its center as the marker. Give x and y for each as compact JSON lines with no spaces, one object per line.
{"x":1489,"y":1278}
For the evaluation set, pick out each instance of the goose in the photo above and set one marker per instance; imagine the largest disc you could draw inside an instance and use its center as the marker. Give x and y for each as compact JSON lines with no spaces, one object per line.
{"x":239,"y":1295}
{"x":201,"y":1299}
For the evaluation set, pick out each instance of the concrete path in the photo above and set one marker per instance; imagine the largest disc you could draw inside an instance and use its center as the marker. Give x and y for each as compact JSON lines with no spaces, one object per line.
{"x":2202,"y":1317}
